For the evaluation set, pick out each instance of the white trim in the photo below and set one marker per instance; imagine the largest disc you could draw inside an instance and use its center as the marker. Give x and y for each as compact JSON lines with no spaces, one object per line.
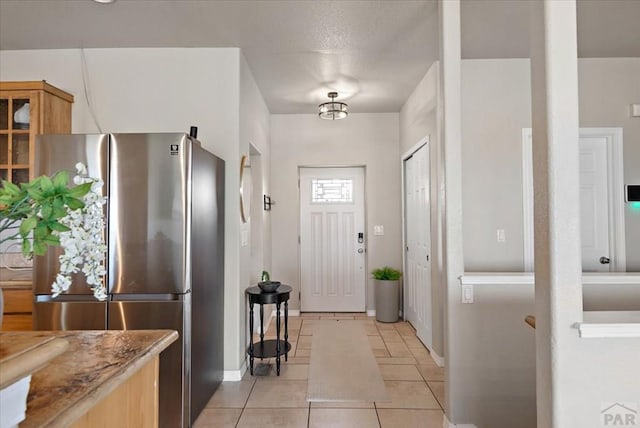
{"x":235,"y":375}
{"x":447,"y":424}
{"x":610,"y":324}
{"x":406,"y":155}
{"x":425,"y":141}
{"x":371,"y":312}
{"x":615,"y":171}
{"x":292,"y":313}
{"x":527,"y":278}
{"x":616,"y":193}
{"x":591,"y":331}
{"x":437,"y":358}
{"x":527,"y":199}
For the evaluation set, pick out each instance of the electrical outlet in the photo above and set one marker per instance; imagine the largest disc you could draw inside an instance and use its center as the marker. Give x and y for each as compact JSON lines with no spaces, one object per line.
{"x":500,"y":235}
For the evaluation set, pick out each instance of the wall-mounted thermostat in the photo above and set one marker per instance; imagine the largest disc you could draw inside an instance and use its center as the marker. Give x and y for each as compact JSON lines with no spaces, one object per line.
{"x":633,"y":193}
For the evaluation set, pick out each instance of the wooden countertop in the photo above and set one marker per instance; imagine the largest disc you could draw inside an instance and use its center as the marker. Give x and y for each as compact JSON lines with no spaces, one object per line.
{"x":93,"y":365}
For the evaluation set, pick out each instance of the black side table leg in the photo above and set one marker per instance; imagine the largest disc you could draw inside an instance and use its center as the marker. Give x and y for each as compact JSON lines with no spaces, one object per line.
{"x":261,"y":330}
{"x":278,"y":338}
{"x":286,"y":330}
{"x":251,"y":338}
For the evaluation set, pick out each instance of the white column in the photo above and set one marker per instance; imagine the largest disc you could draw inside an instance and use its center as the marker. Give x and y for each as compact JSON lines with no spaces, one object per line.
{"x":453,"y":260}
{"x":554,"y":85}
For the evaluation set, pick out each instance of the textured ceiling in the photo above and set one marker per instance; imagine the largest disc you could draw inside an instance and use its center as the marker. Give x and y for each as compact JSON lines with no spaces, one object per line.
{"x":372,"y":52}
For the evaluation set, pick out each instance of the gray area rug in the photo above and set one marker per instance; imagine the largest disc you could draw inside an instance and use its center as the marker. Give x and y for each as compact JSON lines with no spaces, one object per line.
{"x":342,"y":366}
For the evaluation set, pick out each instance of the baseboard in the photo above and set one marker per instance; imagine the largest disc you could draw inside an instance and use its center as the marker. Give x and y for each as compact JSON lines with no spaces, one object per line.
{"x":371,"y":312}
{"x":437,"y":358}
{"x":235,"y":375}
{"x":447,"y":424}
{"x":292,"y":313}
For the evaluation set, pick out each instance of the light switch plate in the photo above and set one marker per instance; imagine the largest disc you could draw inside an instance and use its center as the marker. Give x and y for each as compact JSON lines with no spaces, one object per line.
{"x":635,"y":110}
{"x":378,"y":230}
{"x":467,"y":293}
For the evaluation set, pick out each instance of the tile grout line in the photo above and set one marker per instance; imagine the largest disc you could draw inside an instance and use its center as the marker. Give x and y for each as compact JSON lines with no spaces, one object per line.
{"x":245,"y":403}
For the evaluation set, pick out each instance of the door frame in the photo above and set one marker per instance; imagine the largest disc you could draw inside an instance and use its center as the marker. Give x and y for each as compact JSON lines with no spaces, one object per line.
{"x":615,"y":178}
{"x":424,"y":141}
{"x":366,"y":234}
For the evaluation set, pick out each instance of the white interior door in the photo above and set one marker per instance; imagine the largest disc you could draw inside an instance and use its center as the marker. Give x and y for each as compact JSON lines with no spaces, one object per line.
{"x":601,"y":200}
{"x":417,"y":278}
{"x":594,"y":205}
{"x":332,"y":240}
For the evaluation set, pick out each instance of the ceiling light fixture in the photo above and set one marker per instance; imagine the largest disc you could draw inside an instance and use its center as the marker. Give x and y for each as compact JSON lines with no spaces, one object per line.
{"x":332,"y":110}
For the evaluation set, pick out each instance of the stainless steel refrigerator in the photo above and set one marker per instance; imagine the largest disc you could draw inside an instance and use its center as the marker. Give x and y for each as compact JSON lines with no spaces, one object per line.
{"x":165,"y":261}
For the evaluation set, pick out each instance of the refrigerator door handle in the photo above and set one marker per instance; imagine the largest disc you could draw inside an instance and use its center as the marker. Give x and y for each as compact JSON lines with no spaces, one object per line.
{"x":146,"y":297}
{"x":63,"y":298}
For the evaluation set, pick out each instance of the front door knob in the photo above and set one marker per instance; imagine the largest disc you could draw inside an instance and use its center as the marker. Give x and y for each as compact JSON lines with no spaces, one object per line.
{"x":605,"y":260}
{"x":360,"y":250}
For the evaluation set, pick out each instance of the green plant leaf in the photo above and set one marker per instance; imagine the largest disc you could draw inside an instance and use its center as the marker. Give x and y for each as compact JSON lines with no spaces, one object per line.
{"x":74,"y":203}
{"x":40,"y":232}
{"x":39,"y":248}
{"x":47,"y":210}
{"x":28,"y":225}
{"x":47,"y":185}
{"x":35,"y":193}
{"x":80,"y":190}
{"x":386,"y":274}
{"x":26,"y":247}
{"x":10,"y":188}
{"x":57,"y":227}
{"x":51,"y":240}
{"x":60,"y":180}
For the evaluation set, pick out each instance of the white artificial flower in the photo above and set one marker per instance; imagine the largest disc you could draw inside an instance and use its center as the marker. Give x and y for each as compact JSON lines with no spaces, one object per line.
{"x":84,"y":243}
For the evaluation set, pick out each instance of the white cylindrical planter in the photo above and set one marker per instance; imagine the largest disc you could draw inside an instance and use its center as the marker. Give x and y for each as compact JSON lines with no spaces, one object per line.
{"x":386,"y":295}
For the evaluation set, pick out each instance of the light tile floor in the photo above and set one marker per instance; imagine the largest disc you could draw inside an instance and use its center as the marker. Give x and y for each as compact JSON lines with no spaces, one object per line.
{"x":413,"y":380}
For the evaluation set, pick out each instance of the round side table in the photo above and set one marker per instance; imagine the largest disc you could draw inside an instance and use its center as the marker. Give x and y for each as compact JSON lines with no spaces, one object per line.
{"x":269,"y":348}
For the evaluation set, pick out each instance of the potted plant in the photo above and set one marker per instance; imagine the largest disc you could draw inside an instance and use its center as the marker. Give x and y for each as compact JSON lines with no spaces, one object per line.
{"x":387,"y":285}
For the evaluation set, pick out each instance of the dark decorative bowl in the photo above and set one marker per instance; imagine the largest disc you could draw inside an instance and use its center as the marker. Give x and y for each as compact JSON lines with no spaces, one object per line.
{"x":269,"y":286}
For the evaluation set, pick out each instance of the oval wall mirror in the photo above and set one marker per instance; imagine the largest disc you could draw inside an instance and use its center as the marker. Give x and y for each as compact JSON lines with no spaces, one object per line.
{"x":245,"y":188}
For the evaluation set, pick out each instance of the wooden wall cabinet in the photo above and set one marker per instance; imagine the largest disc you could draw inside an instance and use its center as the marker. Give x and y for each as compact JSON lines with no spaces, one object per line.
{"x":42,"y":109}
{"x":48,"y":112}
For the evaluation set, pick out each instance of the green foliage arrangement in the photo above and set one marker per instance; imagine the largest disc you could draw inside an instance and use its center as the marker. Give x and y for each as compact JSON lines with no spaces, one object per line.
{"x":38,"y":206}
{"x":386,"y":274}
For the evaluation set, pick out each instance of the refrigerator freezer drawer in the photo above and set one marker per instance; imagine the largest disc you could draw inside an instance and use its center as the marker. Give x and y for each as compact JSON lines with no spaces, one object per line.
{"x":174,"y":379}
{"x":84,"y":315}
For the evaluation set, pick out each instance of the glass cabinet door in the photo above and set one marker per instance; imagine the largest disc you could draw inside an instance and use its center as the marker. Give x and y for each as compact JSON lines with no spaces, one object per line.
{"x":16,"y":139}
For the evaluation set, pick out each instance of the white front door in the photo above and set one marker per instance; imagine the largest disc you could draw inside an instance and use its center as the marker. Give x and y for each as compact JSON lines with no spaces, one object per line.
{"x":332,"y":240}
{"x":417,"y":278}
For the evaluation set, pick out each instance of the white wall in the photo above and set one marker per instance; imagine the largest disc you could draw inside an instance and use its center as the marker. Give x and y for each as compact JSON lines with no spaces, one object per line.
{"x":608,"y":87}
{"x":500,"y":359}
{"x":496,"y":102}
{"x":165,"y":90}
{"x":496,"y":105}
{"x":254,"y":142}
{"x":361,"y":139}
{"x":419,"y":118}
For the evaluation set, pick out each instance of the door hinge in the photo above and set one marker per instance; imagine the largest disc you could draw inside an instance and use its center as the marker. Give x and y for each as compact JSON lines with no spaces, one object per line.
{"x":298,"y":239}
